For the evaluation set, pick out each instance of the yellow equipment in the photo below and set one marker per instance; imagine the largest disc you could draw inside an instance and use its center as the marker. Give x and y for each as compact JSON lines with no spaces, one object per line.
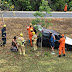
{"x":33,"y":33}
{"x":31,"y":29}
{"x":31,"y":24}
{"x":21,"y":34}
{"x":4,"y":25}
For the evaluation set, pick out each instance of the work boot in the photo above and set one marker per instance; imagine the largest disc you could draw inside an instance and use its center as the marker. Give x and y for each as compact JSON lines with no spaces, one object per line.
{"x":20,"y":53}
{"x":59,"y":56}
{"x":1,"y":44}
{"x":64,"y":55}
{"x":24,"y":54}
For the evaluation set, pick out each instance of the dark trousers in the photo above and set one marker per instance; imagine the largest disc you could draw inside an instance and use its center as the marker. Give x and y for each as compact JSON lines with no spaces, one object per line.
{"x":3,"y":41}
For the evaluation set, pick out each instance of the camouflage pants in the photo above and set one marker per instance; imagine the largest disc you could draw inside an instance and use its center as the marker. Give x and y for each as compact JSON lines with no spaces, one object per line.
{"x":22,"y":50}
{"x":34,"y":46}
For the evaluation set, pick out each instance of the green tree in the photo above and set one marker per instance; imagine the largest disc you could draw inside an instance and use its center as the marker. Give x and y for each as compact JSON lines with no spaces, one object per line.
{"x":35,"y":4}
{"x":58,"y":5}
{"x":43,"y":7}
{"x":70,"y":5}
{"x":6,"y":6}
{"x":22,"y":5}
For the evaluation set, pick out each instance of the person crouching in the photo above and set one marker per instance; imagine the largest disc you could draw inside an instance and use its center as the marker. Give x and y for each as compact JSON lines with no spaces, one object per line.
{"x":14,"y":47}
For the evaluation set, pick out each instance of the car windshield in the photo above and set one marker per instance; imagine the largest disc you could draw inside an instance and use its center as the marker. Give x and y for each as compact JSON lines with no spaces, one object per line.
{"x":61,"y":36}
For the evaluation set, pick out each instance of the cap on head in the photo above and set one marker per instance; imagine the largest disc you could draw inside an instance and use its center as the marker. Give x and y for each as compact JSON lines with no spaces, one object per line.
{"x":50,"y":33}
{"x":31,"y":29}
{"x":33,"y":33}
{"x":62,"y":35}
{"x":21,"y":34}
{"x":30,"y":24}
{"x":14,"y":37}
{"x":4,"y":25}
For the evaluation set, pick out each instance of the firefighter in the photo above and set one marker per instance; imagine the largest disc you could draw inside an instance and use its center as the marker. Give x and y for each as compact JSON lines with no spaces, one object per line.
{"x":28,"y":28}
{"x":62,"y":46}
{"x":34,"y":38}
{"x":21,"y":46}
{"x":65,"y":9}
{"x":31,"y":30}
{"x":3,"y":36}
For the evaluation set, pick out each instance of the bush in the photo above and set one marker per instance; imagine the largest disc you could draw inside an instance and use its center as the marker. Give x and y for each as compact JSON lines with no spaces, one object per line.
{"x":58,"y":5}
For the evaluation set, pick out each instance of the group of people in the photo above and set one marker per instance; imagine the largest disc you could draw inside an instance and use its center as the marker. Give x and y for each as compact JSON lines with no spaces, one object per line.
{"x":32,"y":37}
{"x":61,"y":46}
{"x":19,"y":43}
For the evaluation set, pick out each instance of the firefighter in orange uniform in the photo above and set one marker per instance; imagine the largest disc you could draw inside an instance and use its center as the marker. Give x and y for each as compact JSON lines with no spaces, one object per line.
{"x":28,"y":28}
{"x":65,"y":9}
{"x":31,"y":36}
{"x":62,"y":46}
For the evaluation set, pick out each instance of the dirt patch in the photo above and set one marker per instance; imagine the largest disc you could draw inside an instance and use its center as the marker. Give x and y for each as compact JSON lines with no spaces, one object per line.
{"x":17,"y":25}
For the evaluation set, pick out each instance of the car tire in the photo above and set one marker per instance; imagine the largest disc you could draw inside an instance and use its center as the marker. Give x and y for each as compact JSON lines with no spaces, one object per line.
{"x":66,"y":48}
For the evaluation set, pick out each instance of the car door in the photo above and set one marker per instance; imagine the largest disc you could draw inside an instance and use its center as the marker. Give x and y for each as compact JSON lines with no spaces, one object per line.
{"x":56,"y":41}
{"x":46,"y":39}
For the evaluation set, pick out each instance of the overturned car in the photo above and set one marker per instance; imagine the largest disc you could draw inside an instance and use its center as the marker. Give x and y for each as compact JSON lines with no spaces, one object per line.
{"x":46,"y":39}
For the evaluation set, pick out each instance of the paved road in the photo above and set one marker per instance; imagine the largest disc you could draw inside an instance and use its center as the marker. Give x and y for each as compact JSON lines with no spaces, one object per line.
{"x":30,"y":15}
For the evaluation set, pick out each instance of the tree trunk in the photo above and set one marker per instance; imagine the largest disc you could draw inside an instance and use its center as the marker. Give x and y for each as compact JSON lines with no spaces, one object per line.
{"x":41,"y":46}
{"x":2,"y":18}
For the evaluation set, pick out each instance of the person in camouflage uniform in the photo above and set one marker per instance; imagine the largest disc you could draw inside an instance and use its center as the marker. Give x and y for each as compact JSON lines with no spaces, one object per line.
{"x":34,"y":38}
{"x":21,"y":45}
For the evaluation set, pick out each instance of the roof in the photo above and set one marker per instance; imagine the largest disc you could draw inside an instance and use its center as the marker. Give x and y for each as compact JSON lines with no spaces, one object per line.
{"x":52,"y":31}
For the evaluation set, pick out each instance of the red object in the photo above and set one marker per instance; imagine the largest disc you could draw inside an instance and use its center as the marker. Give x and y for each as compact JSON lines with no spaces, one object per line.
{"x":28,"y":28}
{"x":31,"y":38}
{"x":65,"y":9}
{"x":62,"y":45}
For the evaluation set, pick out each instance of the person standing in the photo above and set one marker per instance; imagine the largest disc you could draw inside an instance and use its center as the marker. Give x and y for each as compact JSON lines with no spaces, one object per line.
{"x":62,"y":46}
{"x":65,"y":9}
{"x":3,"y":36}
{"x":20,"y":42}
{"x":29,"y":28}
{"x":34,"y":38}
{"x":52,"y":42}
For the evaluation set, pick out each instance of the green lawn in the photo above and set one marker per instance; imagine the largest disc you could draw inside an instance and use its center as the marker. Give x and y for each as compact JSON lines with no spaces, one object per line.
{"x":13,"y":62}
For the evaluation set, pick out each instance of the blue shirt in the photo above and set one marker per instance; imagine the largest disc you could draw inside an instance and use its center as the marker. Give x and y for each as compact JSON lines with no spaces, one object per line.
{"x":52,"y":39}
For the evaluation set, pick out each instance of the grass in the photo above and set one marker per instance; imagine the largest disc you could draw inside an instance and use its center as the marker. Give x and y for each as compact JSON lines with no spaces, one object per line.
{"x":33,"y":62}
{"x":13,"y":62}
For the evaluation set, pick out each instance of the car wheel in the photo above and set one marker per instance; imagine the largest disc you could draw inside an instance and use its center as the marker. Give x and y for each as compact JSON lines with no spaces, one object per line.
{"x":66,"y":48}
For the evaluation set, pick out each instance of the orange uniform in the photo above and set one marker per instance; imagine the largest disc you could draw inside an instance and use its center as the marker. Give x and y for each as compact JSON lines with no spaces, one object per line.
{"x":31,"y":38}
{"x":28,"y":28}
{"x":62,"y":45}
{"x":65,"y":9}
